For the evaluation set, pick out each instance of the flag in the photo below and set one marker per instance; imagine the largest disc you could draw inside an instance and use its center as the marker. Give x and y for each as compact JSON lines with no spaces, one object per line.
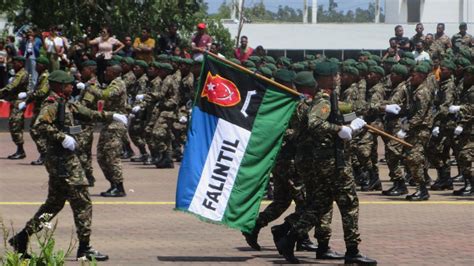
{"x":236,"y":129}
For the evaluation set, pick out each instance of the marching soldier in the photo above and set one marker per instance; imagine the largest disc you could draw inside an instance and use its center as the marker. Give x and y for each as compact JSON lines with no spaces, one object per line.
{"x":129,"y":78}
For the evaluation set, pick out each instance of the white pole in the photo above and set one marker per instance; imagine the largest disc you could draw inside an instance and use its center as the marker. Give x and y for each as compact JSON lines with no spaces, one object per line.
{"x":377,"y":11}
{"x":233,"y":10}
{"x":314,"y":11}
{"x":305,"y":11}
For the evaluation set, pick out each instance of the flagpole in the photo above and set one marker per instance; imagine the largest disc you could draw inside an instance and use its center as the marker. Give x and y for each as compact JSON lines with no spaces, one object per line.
{"x":274,"y":83}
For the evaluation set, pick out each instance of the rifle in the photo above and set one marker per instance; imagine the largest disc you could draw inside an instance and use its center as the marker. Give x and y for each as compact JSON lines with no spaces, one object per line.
{"x":336,"y":118}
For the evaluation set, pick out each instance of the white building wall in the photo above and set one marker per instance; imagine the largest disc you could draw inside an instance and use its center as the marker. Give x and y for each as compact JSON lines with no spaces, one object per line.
{"x":395,"y":11}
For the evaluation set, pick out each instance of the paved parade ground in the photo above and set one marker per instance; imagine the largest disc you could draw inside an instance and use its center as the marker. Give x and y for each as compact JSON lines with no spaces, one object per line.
{"x":143,"y":228}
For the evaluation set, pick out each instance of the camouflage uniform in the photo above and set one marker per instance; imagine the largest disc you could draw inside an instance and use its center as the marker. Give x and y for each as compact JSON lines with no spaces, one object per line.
{"x":186,"y":92}
{"x":136,"y":128}
{"x":459,"y":41}
{"x":327,"y":184}
{"x":66,"y":177}
{"x":37,"y":97}
{"x":16,"y":121}
{"x":86,"y":137}
{"x":109,"y":147}
{"x":439,"y":45}
{"x":129,"y":79}
{"x":153,"y":113}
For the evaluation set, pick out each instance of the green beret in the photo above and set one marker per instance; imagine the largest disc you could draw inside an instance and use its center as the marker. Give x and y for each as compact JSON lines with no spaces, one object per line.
{"x":334,"y":60}
{"x":253,"y":69}
{"x":349,"y":62}
{"x":370,"y":63}
{"x":461,"y":61}
{"x":113,"y":63}
{"x":464,"y":52}
{"x":284,"y":61}
{"x":154,"y":64}
{"x":427,"y":62}
{"x":297,"y":67}
{"x":89,"y":63}
{"x":390,"y":61}
{"x":284,"y":75}
{"x":376,"y":58}
{"x":60,"y":76}
{"x":309,"y":57}
{"x":408,"y":55}
{"x":448,"y":64}
{"x":176,"y":59}
{"x":350,"y":70}
{"x":469,"y":69}
{"x":19,"y":58}
{"x":305,"y":78}
{"x":271,"y":66}
{"x":462,"y":24}
{"x":255,"y":59}
{"x":187,"y":61}
{"x":248,"y":64}
{"x":42,"y":60}
{"x":400,"y":69}
{"x":166,"y":66}
{"x":269,"y":59}
{"x":235,"y":61}
{"x":362,"y":67}
{"x":267,"y":72}
{"x":117,"y":58}
{"x":141,"y":63}
{"x":422,"y":68}
{"x":326,"y":68}
{"x":163,"y":57}
{"x":128,"y":60}
{"x":407,"y":62}
{"x":364,"y":53}
{"x":377,"y":69}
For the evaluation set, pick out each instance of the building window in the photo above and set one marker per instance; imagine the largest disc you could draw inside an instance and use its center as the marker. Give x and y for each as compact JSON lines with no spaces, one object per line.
{"x":414,"y":10}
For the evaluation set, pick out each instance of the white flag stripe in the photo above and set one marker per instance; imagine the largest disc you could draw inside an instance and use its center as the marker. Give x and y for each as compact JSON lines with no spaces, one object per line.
{"x":222,"y":164}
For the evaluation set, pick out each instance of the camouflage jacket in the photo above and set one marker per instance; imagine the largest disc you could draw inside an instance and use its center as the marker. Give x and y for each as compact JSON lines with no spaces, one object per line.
{"x":400,"y":96}
{"x":114,"y":96}
{"x":466,"y":114}
{"x":352,"y":96}
{"x":444,"y":98}
{"x":378,"y":96}
{"x":186,"y":91}
{"x":460,"y":41}
{"x":41,"y":91}
{"x":167,"y":98}
{"x":419,"y":112}
{"x":19,"y":84}
{"x":139,"y":87}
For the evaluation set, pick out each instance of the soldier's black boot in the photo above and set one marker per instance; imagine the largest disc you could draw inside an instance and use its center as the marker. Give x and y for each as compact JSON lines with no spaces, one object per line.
{"x":19,"y":242}
{"x":444,"y":181}
{"x":278,"y":231}
{"x":324,"y":252}
{"x":142,"y":157}
{"x":399,"y":189}
{"x":305,"y":244}
{"x":19,"y":154}
{"x":353,"y":256}
{"x":459,"y":177}
{"x":364,"y":180}
{"x":152,"y":159}
{"x":39,"y":161}
{"x":409,"y":178}
{"x":166,"y":161}
{"x":420,"y":194}
{"x":374,"y":181}
{"x":86,"y":252}
{"x":467,"y":189}
{"x":286,"y":246}
{"x":252,"y":237}
{"x":114,"y":191}
{"x":90,"y":180}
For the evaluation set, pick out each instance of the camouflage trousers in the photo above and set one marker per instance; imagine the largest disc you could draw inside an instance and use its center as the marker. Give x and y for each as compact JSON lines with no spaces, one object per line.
{"x":109,"y":151}
{"x":58,"y":192}
{"x":136,"y":131}
{"x":162,"y":133}
{"x":325,"y":186}
{"x":16,"y":123}
{"x":84,"y":151}
{"x":36,"y":136}
{"x":362,"y":149}
{"x":150,"y":141}
{"x":393,"y":155}
{"x":437,"y":150}
{"x":465,"y":157}
{"x":415,"y":157}
{"x":288,"y":186}
{"x":179,"y":132}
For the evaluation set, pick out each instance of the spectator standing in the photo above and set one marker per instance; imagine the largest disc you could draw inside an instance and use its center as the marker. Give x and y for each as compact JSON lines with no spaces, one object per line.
{"x":419,"y":53}
{"x":170,"y":40}
{"x":402,"y":42}
{"x":105,"y":44}
{"x":200,"y":42}
{"x":10,"y":48}
{"x":54,"y":46}
{"x":32,"y":51}
{"x":127,"y":50}
{"x":144,"y":46}
{"x":243,"y":52}
{"x":419,"y":36}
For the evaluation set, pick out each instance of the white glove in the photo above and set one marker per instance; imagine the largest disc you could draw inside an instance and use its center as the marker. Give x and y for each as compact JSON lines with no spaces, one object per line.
{"x":121,"y":118}
{"x":80,"y":86}
{"x":183,"y":119}
{"x":22,"y":95}
{"x":139,"y":97}
{"x":454,"y":109}
{"x":135,"y":109}
{"x":401,"y":134}
{"x":435,"y":132}
{"x":458,"y":130}
{"x":393,"y":109}
{"x":345,"y":133}
{"x":69,"y":143}
{"x":357,"y":124}
{"x":21,"y":106}
{"x":10,"y":80}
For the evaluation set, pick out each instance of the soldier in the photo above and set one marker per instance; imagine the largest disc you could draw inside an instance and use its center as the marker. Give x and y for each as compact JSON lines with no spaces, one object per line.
{"x":288,"y":184}
{"x":37,"y":96}
{"x":443,"y":128}
{"x":464,"y":112}
{"x":129,"y":78}
{"x":416,"y":129}
{"x":334,"y":182}
{"x":109,"y":147}
{"x":462,"y":39}
{"x":56,"y":122}
{"x":88,"y":99}
{"x":15,"y":93}
{"x":136,"y":128}
{"x":441,"y":40}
